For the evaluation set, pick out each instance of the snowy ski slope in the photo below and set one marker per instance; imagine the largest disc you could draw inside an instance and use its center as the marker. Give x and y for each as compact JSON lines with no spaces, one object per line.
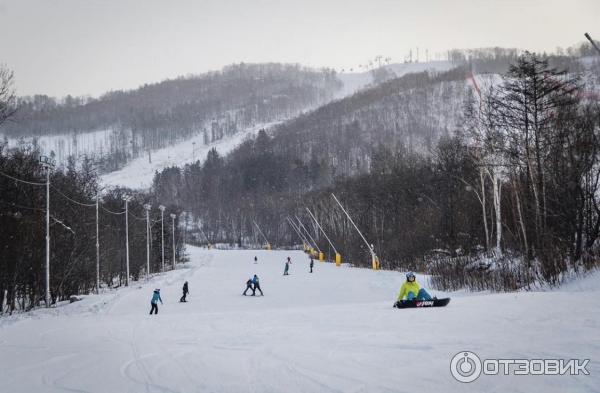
{"x":139,"y":173}
{"x":330,"y":331}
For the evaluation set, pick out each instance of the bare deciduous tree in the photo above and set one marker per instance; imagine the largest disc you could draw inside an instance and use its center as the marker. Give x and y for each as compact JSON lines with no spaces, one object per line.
{"x":7,"y":94}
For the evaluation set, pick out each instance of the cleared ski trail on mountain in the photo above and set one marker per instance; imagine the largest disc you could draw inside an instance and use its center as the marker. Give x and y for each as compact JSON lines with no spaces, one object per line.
{"x":330,"y":331}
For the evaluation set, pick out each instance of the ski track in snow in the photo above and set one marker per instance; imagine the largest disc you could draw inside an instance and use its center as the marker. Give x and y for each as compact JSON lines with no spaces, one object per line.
{"x":330,"y":331}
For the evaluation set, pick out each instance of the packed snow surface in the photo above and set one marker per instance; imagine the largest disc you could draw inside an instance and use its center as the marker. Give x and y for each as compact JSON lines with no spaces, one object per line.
{"x":330,"y":331}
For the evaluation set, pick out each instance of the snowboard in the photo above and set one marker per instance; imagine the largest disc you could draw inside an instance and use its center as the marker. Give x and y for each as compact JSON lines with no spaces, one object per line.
{"x":422,"y":303}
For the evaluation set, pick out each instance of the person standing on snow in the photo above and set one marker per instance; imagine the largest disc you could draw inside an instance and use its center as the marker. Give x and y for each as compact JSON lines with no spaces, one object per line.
{"x":185,"y":292}
{"x":255,"y":260}
{"x":287,"y":268}
{"x":154,"y":302}
{"x":256,"y":286}
{"x":411,"y":290}
{"x":312,"y":263}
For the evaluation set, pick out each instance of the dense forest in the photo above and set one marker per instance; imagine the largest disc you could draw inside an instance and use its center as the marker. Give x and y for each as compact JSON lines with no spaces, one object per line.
{"x":500,"y":180}
{"x":73,"y":219}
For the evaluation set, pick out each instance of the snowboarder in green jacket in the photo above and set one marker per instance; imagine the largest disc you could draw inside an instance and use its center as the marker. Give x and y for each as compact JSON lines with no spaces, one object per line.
{"x":411,"y":289}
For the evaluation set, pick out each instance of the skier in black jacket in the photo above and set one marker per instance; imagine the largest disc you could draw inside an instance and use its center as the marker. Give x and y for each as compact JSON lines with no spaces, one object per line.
{"x":185,"y":292}
{"x":248,"y":286}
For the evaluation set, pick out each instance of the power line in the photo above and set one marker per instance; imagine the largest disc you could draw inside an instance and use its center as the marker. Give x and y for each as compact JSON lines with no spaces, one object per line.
{"x":110,"y":211}
{"x":22,"y":181}
{"x":72,"y":200}
{"x":137,"y":218}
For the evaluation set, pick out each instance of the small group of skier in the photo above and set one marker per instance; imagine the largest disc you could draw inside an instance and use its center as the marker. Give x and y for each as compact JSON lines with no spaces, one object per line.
{"x":156,"y":298}
{"x":253,"y":284}
{"x":410,"y":290}
{"x":286,"y":269}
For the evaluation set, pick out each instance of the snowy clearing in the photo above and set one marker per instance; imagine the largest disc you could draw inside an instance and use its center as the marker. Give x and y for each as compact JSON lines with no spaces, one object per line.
{"x":330,"y":331}
{"x":139,"y":173}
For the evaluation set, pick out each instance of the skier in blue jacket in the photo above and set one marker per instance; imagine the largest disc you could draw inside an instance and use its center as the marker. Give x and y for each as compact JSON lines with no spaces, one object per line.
{"x":154,"y":302}
{"x":256,"y":286}
{"x":286,"y":270}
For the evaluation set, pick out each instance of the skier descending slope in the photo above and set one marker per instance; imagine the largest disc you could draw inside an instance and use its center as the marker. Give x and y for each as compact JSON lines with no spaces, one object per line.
{"x":256,"y":286}
{"x":185,"y":292}
{"x":154,"y":302}
{"x":286,"y":270}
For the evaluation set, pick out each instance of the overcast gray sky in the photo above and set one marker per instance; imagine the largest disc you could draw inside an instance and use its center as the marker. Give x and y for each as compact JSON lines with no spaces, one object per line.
{"x":79,"y":47}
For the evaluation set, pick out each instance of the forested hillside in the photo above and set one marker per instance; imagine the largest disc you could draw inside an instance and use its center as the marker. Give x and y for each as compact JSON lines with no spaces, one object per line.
{"x":264,"y":179}
{"x":216,"y":105}
{"x":427,"y":163}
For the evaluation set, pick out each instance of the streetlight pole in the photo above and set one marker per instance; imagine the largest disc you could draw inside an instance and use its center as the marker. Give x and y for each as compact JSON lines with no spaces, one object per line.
{"x":173,"y":224}
{"x":48,"y":237}
{"x":127,"y":198}
{"x":184,"y":226}
{"x":147,"y":206}
{"x":97,"y":249}
{"x":48,"y":164}
{"x":162,"y":234}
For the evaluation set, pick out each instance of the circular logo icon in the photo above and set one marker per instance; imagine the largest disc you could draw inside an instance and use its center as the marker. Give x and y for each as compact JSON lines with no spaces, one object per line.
{"x":465,"y":367}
